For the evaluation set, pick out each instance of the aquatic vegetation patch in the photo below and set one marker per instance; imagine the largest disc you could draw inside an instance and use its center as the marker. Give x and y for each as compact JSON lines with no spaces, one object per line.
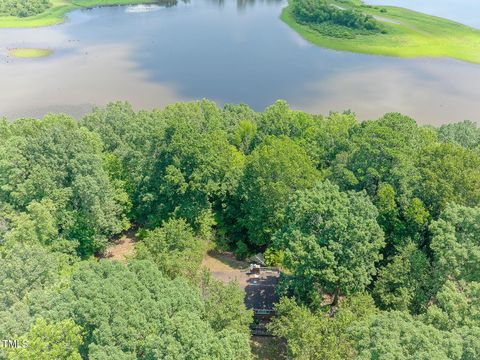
{"x":29,"y":53}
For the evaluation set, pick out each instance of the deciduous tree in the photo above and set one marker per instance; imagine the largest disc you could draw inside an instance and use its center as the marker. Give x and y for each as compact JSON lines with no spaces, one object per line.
{"x":331,"y":240}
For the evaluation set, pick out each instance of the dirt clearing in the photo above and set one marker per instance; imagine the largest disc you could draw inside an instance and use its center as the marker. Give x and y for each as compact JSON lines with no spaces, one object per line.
{"x":225,"y":268}
{"x":123,"y":248}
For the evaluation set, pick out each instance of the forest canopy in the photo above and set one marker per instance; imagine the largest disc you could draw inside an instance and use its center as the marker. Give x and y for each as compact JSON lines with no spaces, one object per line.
{"x":375,"y":224}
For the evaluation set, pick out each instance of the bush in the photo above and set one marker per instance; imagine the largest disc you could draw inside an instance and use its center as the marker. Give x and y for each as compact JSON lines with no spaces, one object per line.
{"x":23,"y":8}
{"x":273,"y":257}
{"x":334,"y":21}
{"x":241,"y":251}
{"x":173,"y":247}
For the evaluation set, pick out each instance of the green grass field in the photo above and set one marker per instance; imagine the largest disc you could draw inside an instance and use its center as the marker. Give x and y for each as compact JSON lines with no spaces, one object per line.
{"x":409,"y":34}
{"x":56,"y":13}
{"x":28,"y":53}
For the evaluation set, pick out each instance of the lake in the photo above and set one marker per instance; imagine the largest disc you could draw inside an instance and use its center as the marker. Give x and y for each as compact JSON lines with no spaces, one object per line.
{"x":227,"y":51}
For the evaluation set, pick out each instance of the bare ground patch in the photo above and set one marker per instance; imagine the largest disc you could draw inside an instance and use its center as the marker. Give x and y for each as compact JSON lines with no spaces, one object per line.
{"x":123,"y":248}
{"x":268,"y":348}
{"x":225,"y":268}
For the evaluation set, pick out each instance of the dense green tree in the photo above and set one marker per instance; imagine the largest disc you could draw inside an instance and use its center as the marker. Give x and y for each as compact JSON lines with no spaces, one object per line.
{"x":129,"y":140}
{"x":455,"y":243}
{"x":121,"y":129}
{"x":388,"y":213}
{"x":52,"y":180}
{"x":36,"y":225}
{"x":46,"y":341}
{"x":186,"y":336}
{"x":456,"y":305}
{"x":193,"y":169}
{"x":405,"y":283}
{"x":471,"y":342}
{"x":396,"y":335}
{"x":279,"y":120}
{"x":309,"y":336}
{"x":416,"y":218}
{"x":22,"y":8}
{"x":27,"y":271}
{"x":233,"y":117}
{"x":173,"y":248}
{"x":14,"y":322}
{"x":449,"y":173}
{"x":466,"y":134}
{"x":319,"y":335}
{"x":331,"y":137}
{"x":244,"y":136}
{"x":224,"y":304}
{"x":322,"y":137}
{"x":331,"y":241}
{"x":332,"y":20}
{"x":383,"y":151}
{"x":274,"y":171}
{"x":135,"y":312}
{"x":382,"y":161}
{"x":26,"y":268}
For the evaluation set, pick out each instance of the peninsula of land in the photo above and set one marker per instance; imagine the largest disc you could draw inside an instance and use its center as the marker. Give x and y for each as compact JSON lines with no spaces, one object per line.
{"x":351,"y":25}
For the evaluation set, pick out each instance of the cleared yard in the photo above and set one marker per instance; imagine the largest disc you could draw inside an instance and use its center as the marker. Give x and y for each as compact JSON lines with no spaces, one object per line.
{"x":225,"y":268}
{"x":259,"y":289}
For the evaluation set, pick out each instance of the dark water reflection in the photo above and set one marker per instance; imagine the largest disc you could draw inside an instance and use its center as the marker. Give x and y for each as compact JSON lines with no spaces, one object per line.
{"x":223,"y":50}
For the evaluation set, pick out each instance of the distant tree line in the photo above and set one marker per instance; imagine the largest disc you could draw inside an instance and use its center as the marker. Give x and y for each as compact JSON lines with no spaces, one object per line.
{"x":333,"y":20}
{"x":376,"y":224}
{"x":23,"y":8}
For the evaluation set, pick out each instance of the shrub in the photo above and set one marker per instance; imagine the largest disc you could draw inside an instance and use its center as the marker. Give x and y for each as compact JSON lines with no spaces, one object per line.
{"x":334,"y":21}
{"x":23,"y":8}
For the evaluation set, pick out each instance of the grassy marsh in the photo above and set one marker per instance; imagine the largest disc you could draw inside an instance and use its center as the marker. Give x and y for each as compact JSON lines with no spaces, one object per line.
{"x":409,"y":34}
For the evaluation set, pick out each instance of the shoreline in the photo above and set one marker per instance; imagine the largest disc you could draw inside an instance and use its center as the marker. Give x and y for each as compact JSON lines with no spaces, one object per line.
{"x":56,"y":14}
{"x":410,"y":34}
